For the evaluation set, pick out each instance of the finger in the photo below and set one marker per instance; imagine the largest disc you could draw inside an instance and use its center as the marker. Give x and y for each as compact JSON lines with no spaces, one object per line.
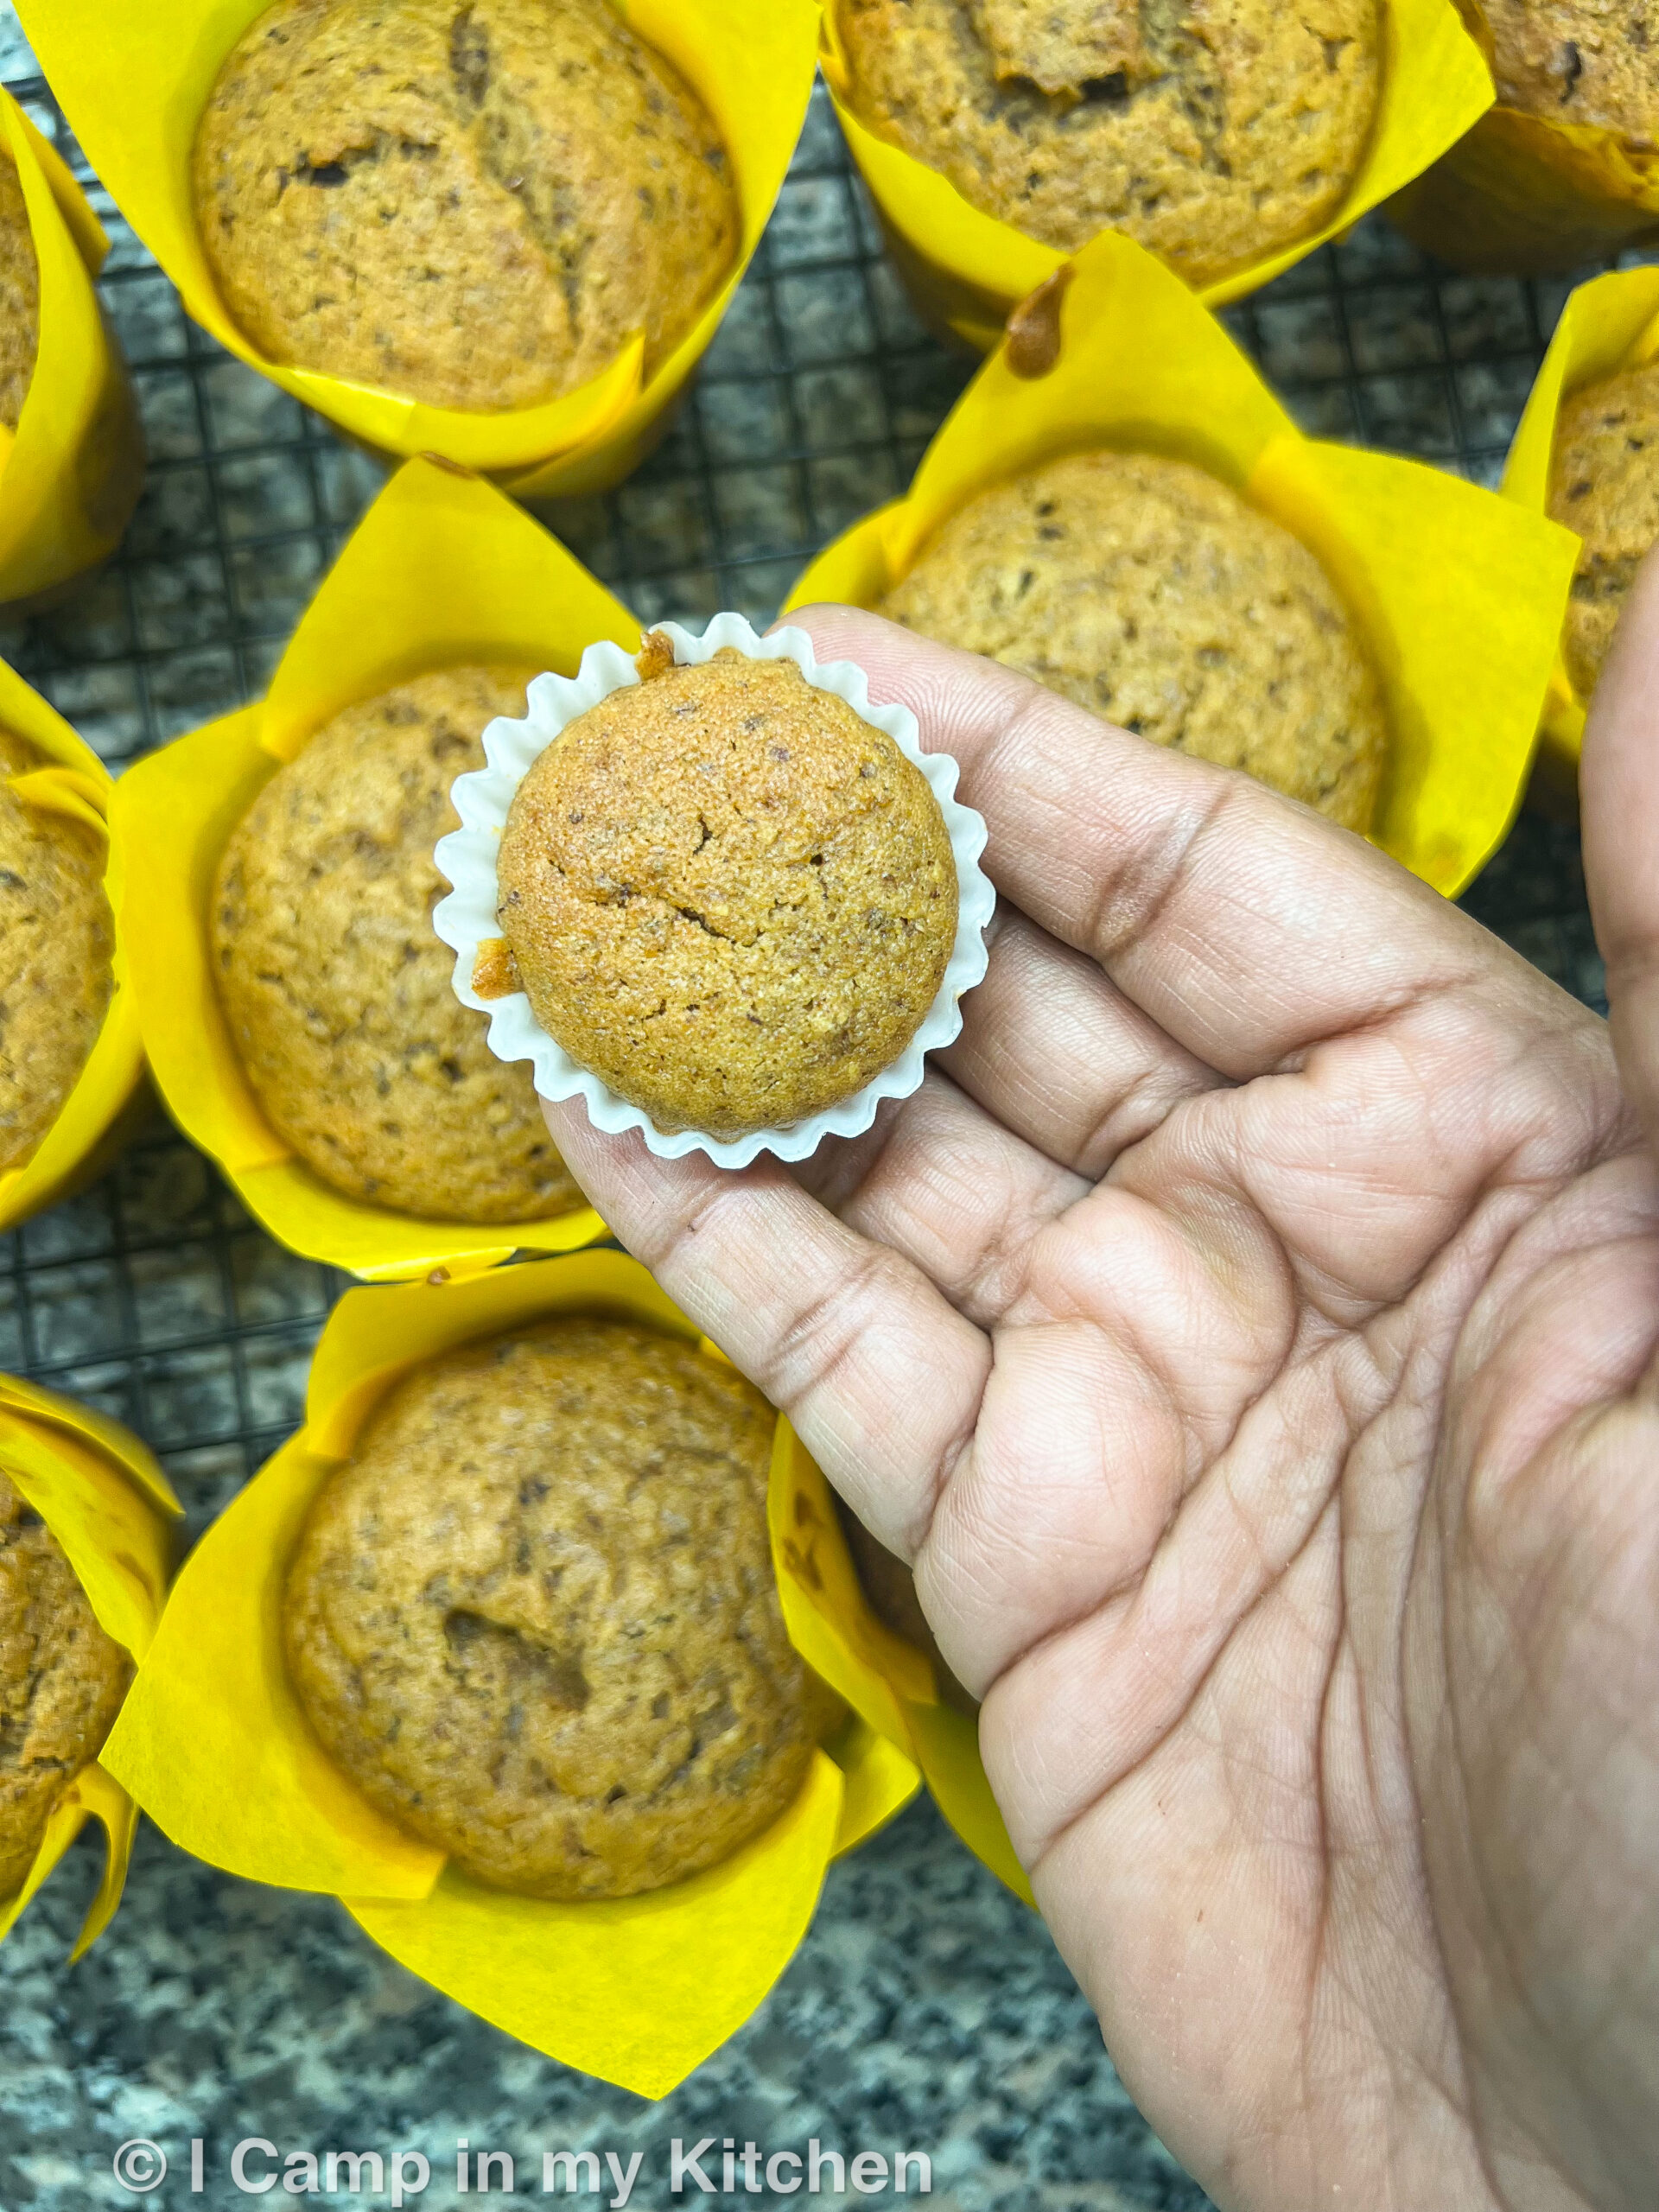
{"x":835,"y":1330}
{"x":1619,"y":788}
{"x":1245,"y":926}
{"x":1052,"y":1047}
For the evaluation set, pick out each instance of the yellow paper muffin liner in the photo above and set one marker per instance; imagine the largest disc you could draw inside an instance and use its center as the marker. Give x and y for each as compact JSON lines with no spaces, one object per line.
{"x":103,"y":1498}
{"x":1609,"y":324}
{"x":134,"y":76}
{"x":213,"y":1744}
{"x":1457,"y":593}
{"x":71,"y":472}
{"x":97,"y":1114}
{"x":441,"y":570}
{"x":966,"y":270}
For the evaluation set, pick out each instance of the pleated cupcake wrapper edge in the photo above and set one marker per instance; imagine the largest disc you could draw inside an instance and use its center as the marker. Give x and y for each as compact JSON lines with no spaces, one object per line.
{"x":1462,"y":647}
{"x":974,"y":267}
{"x":466,"y":919}
{"x":1609,"y":324}
{"x":107,"y":1503}
{"x":213,"y":1745}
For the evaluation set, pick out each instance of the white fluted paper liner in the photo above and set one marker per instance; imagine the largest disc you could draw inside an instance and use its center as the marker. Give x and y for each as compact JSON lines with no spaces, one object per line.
{"x":467,"y":918}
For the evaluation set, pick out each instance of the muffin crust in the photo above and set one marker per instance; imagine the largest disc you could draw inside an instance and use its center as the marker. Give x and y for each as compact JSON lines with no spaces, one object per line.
{"x":61,"y":1683}
{"x":1211,"y":133}
{"x":474,"y":203}
{"x":20,"y":296}
{"x":535,"y":1616}
{"x":337,"y":991}
{"x":728,"y":895}
{"x":1148,"y":592}
{"x":57,"y":939}
{"x":1604,"y":483}
{"x":1580,"y":61}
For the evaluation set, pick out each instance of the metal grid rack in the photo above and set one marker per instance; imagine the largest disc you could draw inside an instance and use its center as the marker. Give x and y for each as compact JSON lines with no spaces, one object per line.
{"x":152,"y":1294}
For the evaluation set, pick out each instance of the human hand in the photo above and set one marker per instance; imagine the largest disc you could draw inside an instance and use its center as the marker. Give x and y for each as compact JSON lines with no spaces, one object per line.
{"x":1248,"y":1331}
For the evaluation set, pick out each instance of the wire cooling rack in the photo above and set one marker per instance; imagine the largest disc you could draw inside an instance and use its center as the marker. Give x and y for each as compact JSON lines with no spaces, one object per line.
{"x":153,"y":1295}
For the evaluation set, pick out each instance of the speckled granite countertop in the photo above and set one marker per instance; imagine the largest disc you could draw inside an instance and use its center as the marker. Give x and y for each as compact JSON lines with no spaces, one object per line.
{"x":926,"y":2010}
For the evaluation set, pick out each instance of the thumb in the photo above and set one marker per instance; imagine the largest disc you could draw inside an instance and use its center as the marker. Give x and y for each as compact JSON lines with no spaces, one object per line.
{"x":1618,"y":791}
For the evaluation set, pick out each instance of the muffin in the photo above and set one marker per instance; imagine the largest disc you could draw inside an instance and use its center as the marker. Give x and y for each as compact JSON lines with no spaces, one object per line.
{"x":1211,"y":136}
{"x":57,"y":940}
{"x":889,"y":1589}
{"x":339,"y":994}
{"x":1148,"y":592}
{"x":20,"y":296}
{"x":535,"y":1616}
{"x":61,"y":1683}
{"x":727,"y":895}
{"x":1604,"y":483}
{"x":471,"y":203}
{"x":1578,"y":61}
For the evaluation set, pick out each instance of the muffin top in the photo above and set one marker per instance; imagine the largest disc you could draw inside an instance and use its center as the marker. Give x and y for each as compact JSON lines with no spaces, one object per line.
{"x":1151,"y":593}
{"x":339,"y":994}
{"x":62,"y":1683}
{"x":20,"y":296}
{"x":1582,"y":61}
{"x":475,"y":203}
{"x":1210,"y":136}
{"x":535,"y":1616}
{"x":57,"y":939}
{"x":1604,"y":483}
{"x":727,"y":895}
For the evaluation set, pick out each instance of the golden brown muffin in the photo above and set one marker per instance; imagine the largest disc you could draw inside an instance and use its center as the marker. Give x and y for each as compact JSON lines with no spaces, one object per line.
{"x":61,"y":1683}
{"x":1151,"y":593}
{"x":20,"y":296}
{"x":535,"y":1616}
{"x":1212,"y":134}
{"x":1604,"y":483}
{"x":728,"y":895}
{"x":1581,"y":61}
{"x":57,"y":939}
{"x":339,"y":992}
{"x":475,"y":203}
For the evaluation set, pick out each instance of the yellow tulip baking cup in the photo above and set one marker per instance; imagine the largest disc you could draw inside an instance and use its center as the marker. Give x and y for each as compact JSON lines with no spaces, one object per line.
{"x":1609,"y":324}
{"x":95,"y":1117}
{"x":71,"y":472}
{"x":1457,"y":594}
{"x":214,"y":1745}
{"x":134,"y":76}
{"x":441,"y":570}
{"x":106,"y":1501}
{"x":966,"y":270}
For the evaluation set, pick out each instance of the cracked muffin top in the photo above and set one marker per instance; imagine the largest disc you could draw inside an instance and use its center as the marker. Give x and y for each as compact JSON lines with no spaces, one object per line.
{"x":535,"y":1616}
{"x":1584,"y":61}
{"x":727,"y":894}
{"x":1604,"y":483}
{"x":1211,"y":132}
{"x":473,"y":203}
{"x":62,"y":1683}
{"x":57,"y":941}
{"x":338,"y":991}
{"x":1150,"y":593}
{"x":20,"y":296}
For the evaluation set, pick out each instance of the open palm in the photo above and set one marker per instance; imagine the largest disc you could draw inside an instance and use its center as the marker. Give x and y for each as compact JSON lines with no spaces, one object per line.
{"x":1248,"y":1332}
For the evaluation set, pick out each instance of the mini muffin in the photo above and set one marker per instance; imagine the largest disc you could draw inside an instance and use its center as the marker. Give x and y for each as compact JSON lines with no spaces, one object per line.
{"x":20,"y":296}
{"x":727,"y":895}
{"x":535,"y":1616}
{"x":1150,"y":593}
{"x":57,"y":939}
{"x":1604,"y":483}
{"x":1212,"y":135}
{"x":474,"y":203}
{"x":61,"y":1683}
{"x":1578,"y":61}
{"x":339,"y":994}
